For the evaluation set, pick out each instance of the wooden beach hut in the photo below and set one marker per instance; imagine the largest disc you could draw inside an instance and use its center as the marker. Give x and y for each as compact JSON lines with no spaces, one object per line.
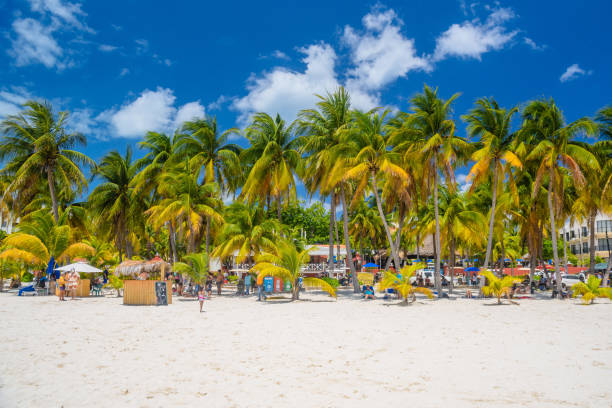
{"x":145,"y":291}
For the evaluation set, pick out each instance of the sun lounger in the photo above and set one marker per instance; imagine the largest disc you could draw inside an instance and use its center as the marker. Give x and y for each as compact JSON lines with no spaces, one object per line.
{"x":27,"y":289}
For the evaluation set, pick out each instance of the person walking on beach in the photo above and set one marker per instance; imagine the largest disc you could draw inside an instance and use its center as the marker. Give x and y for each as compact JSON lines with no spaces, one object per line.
{"x":219,"y":282}
{"x":209,"y":288}
{"x":62,"y":287}
{"x":201,"y":298}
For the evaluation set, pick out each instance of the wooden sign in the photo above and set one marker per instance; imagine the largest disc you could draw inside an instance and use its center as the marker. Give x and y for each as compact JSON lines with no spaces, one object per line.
{"x":161,"y":293}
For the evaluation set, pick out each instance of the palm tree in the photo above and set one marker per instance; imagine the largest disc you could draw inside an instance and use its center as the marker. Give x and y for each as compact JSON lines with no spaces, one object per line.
{"x":247,"y":233}
{"x":39,"y":239}
{"x":402,"y":285}
{"x":498,"y":287}
{"x":196,"y":267}
{"x":493,"y":125}
{"x":286,"y":262}
{"x":364,"y":224}
{"x":372,"y":155}
{"x":36,"y":144}
{"x":321,"y":129}
{"x":591,"y":290}
{"x":186,"y":202}
{"x":428,"y":135}
{"x":544,"y":121}
{"x":113,"y":203}
{"x":275,"y":158}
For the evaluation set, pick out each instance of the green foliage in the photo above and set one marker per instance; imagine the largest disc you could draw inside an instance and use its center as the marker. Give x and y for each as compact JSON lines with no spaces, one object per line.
{"x":312,"y":221}
{"x":115,"y":282}
{"x":591,"y":290}
{"x":498,"y":287}
{"x":27,"y":277}
{"x":333,"y":282}
{"x":401,"y":283}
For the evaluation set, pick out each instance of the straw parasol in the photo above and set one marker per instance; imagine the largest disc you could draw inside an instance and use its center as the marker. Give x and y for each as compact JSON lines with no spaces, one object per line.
{"x":133,"y":268}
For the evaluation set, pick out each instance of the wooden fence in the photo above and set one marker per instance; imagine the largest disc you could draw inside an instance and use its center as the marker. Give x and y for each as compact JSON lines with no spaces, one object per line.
{"x":82,"y":289}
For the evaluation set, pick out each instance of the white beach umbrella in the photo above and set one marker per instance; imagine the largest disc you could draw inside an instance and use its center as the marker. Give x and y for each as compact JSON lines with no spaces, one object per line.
{"x":81,"y":267}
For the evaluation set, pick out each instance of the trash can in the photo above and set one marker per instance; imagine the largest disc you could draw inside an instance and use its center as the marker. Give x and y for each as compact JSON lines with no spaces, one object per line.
{"x":278,"y":285}
{"x":268,"y":284}
{"x":287,"y":287}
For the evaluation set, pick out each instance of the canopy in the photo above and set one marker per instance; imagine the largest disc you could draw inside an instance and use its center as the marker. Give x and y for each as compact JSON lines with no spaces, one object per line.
{"x":130,"y":267}
{"x":81,"y":267}
{"x":472,"y":269}
{"x":370,"y":265}
{"x":601,"y":266}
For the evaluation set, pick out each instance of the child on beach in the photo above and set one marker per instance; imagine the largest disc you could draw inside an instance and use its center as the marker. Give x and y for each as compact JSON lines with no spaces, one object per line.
{"x":201,"y":298}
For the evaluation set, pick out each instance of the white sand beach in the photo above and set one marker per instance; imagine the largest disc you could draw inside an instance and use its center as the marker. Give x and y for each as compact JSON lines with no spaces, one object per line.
{"x":95,"y":352}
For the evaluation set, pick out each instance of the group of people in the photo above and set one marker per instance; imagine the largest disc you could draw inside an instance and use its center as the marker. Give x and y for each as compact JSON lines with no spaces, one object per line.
{"x":68,"y":281}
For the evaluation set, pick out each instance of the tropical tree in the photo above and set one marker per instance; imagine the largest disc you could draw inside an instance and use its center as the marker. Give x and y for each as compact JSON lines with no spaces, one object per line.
{"x":321,"y":129}
{"x":40,"y":239}
{"x":285,"y":262}
{"x":373,"y":156}
{"x":196,"y":267}
{"x":247,"y":233}
{"x":36,"y":145}
{"x":498,"y":287}
{"x":428,"y":135}
{"x":544,"y":121}
{"x":401,"y":283}
{"x":113,"y":202}
{"x":591,"y":290}
{"x":275,"y":158}
{"x":492,"y":125}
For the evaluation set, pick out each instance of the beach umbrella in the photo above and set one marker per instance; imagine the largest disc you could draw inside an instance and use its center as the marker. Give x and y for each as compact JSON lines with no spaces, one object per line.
{"x":472,"y":269}
{"x":51,"y":267}
{"x":370,"y":265}
{"x":80,"y":267}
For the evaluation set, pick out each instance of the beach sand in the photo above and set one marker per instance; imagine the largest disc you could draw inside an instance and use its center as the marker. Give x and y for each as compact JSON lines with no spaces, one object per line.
{"x":95,"y":352}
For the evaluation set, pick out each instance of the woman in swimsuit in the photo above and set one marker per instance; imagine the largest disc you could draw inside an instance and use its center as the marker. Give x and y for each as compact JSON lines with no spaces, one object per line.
{"x":201,"y":298}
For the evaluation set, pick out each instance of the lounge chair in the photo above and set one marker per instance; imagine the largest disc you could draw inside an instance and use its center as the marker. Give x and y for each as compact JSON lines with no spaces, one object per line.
{"x":27,"y":289}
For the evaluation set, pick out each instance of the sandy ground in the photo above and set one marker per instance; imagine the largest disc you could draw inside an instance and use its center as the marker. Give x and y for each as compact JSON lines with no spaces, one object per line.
{"x":317,"y":353}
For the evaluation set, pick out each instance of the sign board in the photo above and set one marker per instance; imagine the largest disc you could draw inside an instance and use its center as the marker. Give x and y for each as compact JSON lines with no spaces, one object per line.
{"x":268,"y":284}
{"x":161,"y":294}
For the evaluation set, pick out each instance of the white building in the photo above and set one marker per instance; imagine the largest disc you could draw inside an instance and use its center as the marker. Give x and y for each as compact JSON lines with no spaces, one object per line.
{"x":578,"y":237}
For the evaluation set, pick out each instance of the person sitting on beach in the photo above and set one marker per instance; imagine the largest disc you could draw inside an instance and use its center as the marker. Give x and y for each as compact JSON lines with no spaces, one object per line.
{"x":369,"y":292}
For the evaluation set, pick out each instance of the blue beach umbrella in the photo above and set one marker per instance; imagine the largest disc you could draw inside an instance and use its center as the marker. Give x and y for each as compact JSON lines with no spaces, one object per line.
{"x":370,"y":265}
{"x":51,"y":267}
{"x":472,"y":269}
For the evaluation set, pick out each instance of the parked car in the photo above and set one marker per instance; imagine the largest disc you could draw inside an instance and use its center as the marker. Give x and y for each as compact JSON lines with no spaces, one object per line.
{"x":567,"y":281}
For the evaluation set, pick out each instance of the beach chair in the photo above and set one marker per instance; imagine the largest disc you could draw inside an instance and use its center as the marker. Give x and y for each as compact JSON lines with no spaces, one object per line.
{"x":26,"y":289}
{"x":96,"y":290}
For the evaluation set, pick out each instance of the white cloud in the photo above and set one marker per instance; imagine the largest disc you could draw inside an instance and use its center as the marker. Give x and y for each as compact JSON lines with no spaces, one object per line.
{"x":533,"y":45}
{"x":285,"y":91}
{"x":35,"y":44}
{"x":573,"y":72}
{"x":151,"y":111}
{"x":68,"y":13}
{"x":124,"y":72}
{"x":280,"y":55}
{"x":11,"y":101}
{"x":471,"y":39}
{"x":187,"y":112}
{"x":142,"y":45}
{"x":82,"y":121}
{"x":381,"y":54}
{"x":106,"y":48}
{"x":217,"y":104}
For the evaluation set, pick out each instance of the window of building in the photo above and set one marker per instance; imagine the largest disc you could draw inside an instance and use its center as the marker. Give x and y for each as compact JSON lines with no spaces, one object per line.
{"x":567,"y":237}
{"x":604,"y":245}
{"x":573,"y":235}
{"x":573,"y":249}
{"x":604,"y":226}
{"x":585,"y":247}
{"x":585,"y":232}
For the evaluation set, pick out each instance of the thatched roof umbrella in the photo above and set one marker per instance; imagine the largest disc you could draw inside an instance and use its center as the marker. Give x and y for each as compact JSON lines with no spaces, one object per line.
{"x":157,"y":265}
{"x":129,"y":267}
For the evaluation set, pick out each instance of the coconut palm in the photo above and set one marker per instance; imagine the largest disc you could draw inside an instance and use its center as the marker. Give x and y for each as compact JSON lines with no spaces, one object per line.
{"x":37,"y":145}
{"x":196,"y":267}
{"x":555,"y":148}
{"x":247,"y":233}
{"x":365,"y":224}
{"x":275,"y":159}
{"x":402,"y":285}
{"x":321,"y":129}
{"x":498,"y":287}
{"x":113,"y":202}
{"x":428,"y":135}
{"x":591,"y":290}
{"x":286,"y":262}
{"x":372,"y":156}
{"x":39,"y":239}
{"x":493,"y":125}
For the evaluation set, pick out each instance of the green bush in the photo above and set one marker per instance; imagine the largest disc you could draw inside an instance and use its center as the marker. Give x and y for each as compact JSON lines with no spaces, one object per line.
{"x":332,"y":282}
{"x":27,"y":277}
{"x":232,"y":278}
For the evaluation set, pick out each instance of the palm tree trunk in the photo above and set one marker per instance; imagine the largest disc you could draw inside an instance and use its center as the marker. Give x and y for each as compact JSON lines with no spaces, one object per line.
{"x":337,"y":239}
{"x":492,"y":218}
{"x":452,"y":263}
{"x":278,"y":208}
{"x":437,"y":246}
{"x":418,"y":252}
{"x":120,"y":244}
{"x":384,"y":221}
{"x":398,"y":238}
{"x":502,"y":261}
{"x":54,"y":204}
{"x":172,"y":239}
{"x":564,"y":249}
{"x":553,"y":227}
{"x":592,"y":242}
{"x":208,"y":236}
{"x":332,"y":221}
{"x":347,"y":241}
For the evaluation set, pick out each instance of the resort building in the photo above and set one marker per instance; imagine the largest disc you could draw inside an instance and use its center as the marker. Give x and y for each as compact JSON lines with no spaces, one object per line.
{"x":578,"y":238}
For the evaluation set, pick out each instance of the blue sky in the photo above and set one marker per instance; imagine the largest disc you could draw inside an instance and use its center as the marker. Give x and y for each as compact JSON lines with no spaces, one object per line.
{"x":125,"y":67}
